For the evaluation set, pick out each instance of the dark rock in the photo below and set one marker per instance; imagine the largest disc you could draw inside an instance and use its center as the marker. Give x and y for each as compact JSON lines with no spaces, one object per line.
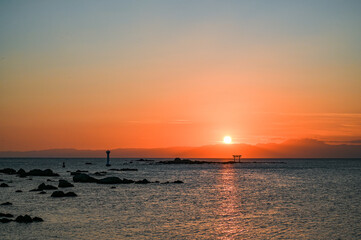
{"x":127,"y":181}
{"x":178,"y":181}
{"x":49,"y":180}
{"x":5,"y":220}
{"x":21,"y":172}
{"x":37,"y":219}
{"x":18,"y":191}
{"x":7,"y":215}
{"x":123,"y":169}
{"x":46,"y":172}
{"x":1,"y":180}
{"x":62,"y":194}
{"x":113,"y":187}
{"x":6,"y":204}
{"x":84,"y":178}
{"x":24,"y":219}
{"x":77,"y":172}
{"x":64,"y":184}
{"x":88,"y":163}
{"x":4,"y":185}
{"x":110,"y":180}
{"x":100,"y":173}
{"x":145,"y":160}
{"x":43,"y":186}
{"x":144,"y":181}
{"x":70,"y":194}
{"x":42,"y":192}
{"x":8,"y":171}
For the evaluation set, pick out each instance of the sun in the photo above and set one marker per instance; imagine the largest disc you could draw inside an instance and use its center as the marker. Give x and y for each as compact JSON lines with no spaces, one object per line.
{"x":227,"y":140}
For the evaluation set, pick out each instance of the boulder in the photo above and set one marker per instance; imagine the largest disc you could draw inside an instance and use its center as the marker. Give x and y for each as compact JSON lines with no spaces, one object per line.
{"x":21,"y":172}
{"x":5,"y":220}
{"x":37,"y":219}
{"x":18,"y":191}
{"x":43,"y":186}
{"x":62,"y":194}
{"x":84,"y":178}
{"x":4,"y":185}
{"x":6,"y":204}
{"x":27,"y":219}
{"x":7,"y":215}
{"x":8,"y":171}
{"x":64,"y":184}
{"x":144,"y":181}
{"x":46,"y":172}
{"x":178,"y":181}
{"x":110,"y":180}
{"x":77,"y":172}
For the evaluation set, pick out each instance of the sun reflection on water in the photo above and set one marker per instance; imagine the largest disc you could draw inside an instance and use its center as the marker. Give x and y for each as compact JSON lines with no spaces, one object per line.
{"x":228,"y":213}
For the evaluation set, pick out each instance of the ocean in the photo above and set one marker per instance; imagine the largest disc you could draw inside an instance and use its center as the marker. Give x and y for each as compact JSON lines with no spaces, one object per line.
{"x":269,"y":199}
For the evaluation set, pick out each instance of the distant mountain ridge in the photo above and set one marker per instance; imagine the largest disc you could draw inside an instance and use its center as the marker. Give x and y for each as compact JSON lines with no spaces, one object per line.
{"x":301,"y":148}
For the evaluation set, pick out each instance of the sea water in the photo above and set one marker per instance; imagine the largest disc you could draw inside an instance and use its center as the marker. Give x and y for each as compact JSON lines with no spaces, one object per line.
{"x":292,"y":199}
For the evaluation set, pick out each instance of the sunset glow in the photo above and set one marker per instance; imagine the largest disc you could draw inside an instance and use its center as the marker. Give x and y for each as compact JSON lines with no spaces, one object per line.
{"x":149,"y":74}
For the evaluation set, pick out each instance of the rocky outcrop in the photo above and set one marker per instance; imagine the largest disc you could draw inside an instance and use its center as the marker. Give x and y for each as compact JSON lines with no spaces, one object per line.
{"x":6,"y":204}
{"x":64,"y":184}
{"x":38,"y":172}
{"x":9,"y":171}
{"x":27,"y":219}
{"x":77,"y":172}
{"x":4,"y":185}
{"x":144,"y":181}
{"x":43,"y":186}
{"x":62,"y":194}
{"x":7,"y":215}
{"x":114,"y":180}
{"x":84,"y":178}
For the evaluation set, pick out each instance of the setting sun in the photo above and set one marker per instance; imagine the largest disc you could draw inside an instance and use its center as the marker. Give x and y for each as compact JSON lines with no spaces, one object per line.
{"x":227,"y":139}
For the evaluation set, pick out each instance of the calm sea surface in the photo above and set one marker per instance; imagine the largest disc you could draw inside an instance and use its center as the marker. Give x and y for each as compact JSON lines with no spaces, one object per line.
{"x":297,"y":199}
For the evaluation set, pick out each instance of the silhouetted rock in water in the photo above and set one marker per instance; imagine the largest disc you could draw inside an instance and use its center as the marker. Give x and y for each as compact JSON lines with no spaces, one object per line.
{"x":145,"y":160}
{"x":144,"y":181}
{"x":88,"y":163}
{"x":64,"y":184}
{"x":7,"y":215}
{"x":42,"y":173}
{"x":5,"y":220}
{"x":18,"y":191}
{"x":84,"y":178}
{"x":43,"y":186}
{"x":112,"y":187}
{"x":123,"y":169}
{"x":49,"y":180}
{"x":100,"y":173}
{"x":182,"y":161}
{"x":77,"y":172}
{"x":27,"y":219}
{"x":21,"y":173}
{"x":178,"y":181}
{"x":1,"y":180}
{"x":6,"y":204}
{"x":42,"y":192}
{"x":8,"y":171}
{"x":4,"y":185}
{"x":62,"y":194}
{"x":114,"y":180}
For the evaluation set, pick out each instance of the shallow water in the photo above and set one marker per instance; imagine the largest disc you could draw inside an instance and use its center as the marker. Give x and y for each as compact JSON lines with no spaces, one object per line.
{"x":298,"y":199}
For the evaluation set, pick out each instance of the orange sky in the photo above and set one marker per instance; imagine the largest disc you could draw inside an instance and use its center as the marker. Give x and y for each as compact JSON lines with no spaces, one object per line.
{"x":158,"y":74}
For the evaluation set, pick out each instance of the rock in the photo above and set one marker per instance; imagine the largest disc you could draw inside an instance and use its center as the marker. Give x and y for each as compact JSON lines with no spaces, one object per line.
{"x":88,"y":163}
{"x":1,"y":180}
{"x":110,"y":180}
{"x":113,"y":187}
{"x":49,"y":180}
{"x":81,"y":177}
{"x":123,"y":169}
{"x":38,"y":219}
{"x":21,"y":172}
{"x":27,"y":219}
{"x":18,"y":191}
{"x":62,"y":194}
{"x":7,"y":215}
{"x":77,"y":172}
{"x":178,"y":181}
{"x":46,"y":172}
{"x":70,"y":194}
{"x":8,"y":171}
{"x":42,"y":192}
{"x":144,"y":181}
{"x":100,"y":173}
{"x":5,"y":220}
{"x":6,"y":204}
{"x":4,"y":185}
{"x":64,"y":184}
{"x":43,"y":186}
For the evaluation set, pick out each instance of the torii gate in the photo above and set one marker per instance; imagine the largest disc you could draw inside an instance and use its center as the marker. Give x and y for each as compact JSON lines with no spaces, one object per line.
{"x":239,"y":158}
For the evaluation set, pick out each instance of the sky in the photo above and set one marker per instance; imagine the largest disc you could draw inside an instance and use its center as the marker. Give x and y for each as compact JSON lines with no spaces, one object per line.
{"x":119,"y":74}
